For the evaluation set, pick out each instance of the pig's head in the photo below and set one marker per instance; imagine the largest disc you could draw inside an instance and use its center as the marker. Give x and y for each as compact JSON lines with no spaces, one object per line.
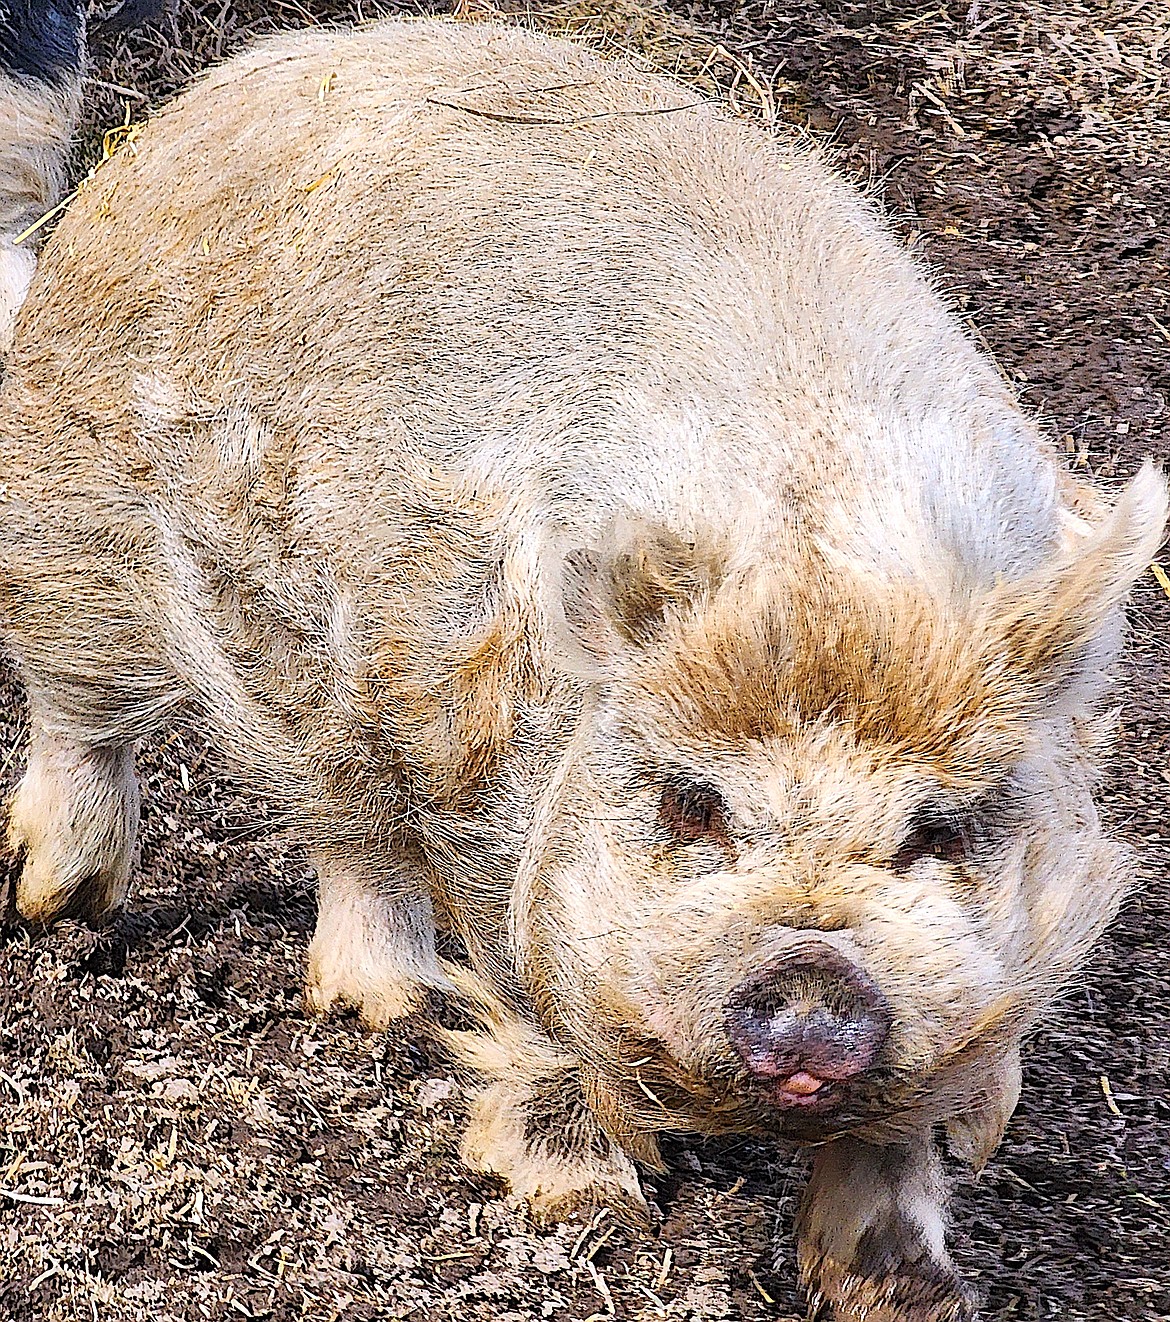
{"x":824,"y":844}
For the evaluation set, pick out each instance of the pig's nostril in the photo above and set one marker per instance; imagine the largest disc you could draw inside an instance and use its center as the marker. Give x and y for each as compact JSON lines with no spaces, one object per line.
{"x":807,"y":1020}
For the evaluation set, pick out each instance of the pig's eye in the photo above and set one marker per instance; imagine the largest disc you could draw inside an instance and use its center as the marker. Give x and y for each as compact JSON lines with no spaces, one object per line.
{"x":933,"y":834}
{"x":693,"y":812}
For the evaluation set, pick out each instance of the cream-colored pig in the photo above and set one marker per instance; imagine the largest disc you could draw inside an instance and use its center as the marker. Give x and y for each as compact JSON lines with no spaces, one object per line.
{"x":572,"y":506}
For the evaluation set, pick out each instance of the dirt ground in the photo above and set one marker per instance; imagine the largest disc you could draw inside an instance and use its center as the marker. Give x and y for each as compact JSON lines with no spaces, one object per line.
{"x":179,"y":1142}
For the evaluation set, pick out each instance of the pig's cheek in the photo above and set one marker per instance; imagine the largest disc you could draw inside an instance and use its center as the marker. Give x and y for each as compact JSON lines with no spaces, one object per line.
{"x":669,"y":1026}
{"x":590,"y":915}
{"x":938,"y":972}
{"x":680,"y":1004}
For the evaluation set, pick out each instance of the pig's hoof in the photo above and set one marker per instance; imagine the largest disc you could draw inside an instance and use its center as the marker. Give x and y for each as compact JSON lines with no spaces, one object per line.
{"x":897,"y":1295}
{"x":378,"y":1000}
{"x":370,"y":952}
{"x":71,"y":828}
{"x":563,"y":1189}
{"x":558,"y":1160}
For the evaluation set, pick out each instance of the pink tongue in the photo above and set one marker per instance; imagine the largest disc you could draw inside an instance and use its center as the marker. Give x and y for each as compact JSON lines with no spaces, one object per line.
{"x":801,"y":1084}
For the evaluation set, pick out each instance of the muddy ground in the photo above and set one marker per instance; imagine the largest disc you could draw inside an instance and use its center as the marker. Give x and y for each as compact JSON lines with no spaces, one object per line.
{"x":179,"y":1142}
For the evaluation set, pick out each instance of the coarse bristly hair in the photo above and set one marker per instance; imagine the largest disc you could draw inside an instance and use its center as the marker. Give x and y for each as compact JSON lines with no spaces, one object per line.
{"x":572,"y":507}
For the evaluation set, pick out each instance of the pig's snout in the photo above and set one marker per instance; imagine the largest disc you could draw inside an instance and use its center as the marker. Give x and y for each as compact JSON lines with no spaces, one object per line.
{"x":807,"y":1024}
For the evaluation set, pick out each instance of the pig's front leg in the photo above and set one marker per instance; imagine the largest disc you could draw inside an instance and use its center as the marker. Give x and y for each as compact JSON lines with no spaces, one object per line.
{"x":531,"y":1123}
{"x":542,"y":1137}
{"x":870,"y":1236}
{"x":374,"y":947}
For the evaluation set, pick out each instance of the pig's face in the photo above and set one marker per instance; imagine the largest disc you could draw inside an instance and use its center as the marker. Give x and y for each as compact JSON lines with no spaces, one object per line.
{"x":823,"y":846}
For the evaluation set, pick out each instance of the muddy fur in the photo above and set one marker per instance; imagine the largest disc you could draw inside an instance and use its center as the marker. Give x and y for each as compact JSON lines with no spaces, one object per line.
{"x":532,"y":1123}
{"x":494,"y":441}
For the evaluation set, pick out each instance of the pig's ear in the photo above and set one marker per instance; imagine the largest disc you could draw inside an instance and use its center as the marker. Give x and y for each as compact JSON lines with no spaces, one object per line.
{"x":1059,"y":625}
{"x":619,"y":598}
{"x":973,"y":1136}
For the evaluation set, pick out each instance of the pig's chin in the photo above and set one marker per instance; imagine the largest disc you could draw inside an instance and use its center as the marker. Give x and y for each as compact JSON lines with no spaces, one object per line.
{"x":832,"y":1110}
{"x":800,"y":1107}
{"x":804,"y":1106}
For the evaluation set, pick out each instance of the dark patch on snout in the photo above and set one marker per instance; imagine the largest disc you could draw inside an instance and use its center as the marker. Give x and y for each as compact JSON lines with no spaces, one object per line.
{"x":807,"y":1028}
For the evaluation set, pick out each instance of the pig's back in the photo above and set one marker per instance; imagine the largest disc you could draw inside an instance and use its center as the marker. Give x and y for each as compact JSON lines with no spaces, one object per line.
{"x":473,"y":274}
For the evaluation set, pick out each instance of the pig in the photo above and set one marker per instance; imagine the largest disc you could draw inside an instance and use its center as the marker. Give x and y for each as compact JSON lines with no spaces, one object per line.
{"x":42,"y":61}
{"x":576,"y":511}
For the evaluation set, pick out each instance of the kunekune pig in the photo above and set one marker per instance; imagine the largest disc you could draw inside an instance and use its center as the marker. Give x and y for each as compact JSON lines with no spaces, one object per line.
{"x":571,"y":505}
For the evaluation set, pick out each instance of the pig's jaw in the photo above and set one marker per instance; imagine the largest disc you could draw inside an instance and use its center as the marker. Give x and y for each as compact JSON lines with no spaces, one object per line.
{"x":668,"y":1029}
{"x":798,"y":1091}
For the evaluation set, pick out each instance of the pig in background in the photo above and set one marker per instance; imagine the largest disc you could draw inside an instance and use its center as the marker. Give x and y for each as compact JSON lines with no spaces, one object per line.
{"x":573,"y":507}
{"x":42,"y":56}
{"x":43,"y":59}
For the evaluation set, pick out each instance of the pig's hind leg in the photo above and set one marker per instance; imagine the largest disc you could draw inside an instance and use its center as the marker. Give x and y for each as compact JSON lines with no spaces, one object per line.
{"x":42,"y":55}
{"x":96,"y":683}
{"x":374,"y":947}
{"x":73,"y":819}
{"x":72,"y":822}
{"x":871,"y":1236}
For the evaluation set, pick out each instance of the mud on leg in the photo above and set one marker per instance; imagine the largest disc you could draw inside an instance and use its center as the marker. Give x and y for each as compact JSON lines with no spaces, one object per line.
{"x":871,"y":1234}
{"x":531,"y":1123}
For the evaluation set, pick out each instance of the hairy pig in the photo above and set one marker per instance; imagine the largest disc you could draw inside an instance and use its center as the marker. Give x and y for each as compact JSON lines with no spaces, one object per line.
{"x":576,"y":511}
